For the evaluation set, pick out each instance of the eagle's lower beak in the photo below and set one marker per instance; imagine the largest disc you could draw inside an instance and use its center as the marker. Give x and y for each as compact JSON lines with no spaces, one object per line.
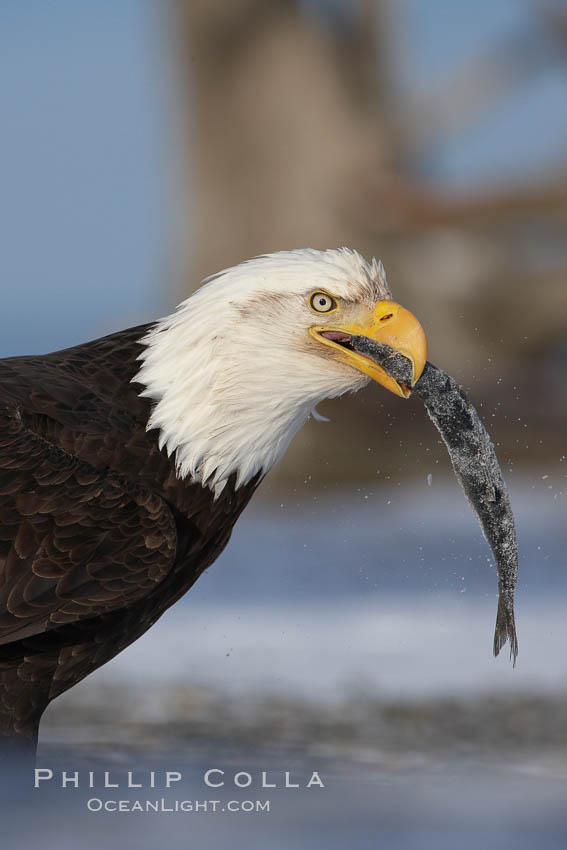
{"x":388,"y":323}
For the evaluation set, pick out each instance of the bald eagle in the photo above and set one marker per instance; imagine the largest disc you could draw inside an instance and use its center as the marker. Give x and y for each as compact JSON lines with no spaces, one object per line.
{"x":126,"y":461}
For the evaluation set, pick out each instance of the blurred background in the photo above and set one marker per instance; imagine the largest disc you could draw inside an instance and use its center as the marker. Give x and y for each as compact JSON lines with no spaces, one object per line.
{"x":349,"y":623}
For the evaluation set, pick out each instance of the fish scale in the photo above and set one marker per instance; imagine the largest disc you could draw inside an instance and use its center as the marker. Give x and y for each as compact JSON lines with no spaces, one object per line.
{"x":475,"y":464}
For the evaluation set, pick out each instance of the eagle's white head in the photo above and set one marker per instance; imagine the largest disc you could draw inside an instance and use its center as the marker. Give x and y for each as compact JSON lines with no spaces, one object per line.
{"x":237,"y":369}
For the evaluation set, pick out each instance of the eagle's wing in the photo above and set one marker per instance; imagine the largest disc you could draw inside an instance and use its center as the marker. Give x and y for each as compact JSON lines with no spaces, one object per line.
{"x":75,"y":541}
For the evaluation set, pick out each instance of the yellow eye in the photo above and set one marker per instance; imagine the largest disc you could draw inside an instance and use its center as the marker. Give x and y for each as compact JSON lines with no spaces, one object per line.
{"x":322,"y":303}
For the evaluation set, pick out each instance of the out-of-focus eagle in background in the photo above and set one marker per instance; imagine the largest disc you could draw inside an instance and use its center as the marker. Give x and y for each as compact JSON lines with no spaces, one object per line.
{"x":125,"y":462}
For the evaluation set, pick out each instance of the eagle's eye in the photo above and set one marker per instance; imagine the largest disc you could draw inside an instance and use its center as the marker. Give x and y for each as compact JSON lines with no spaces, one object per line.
{"x":322,"y":303}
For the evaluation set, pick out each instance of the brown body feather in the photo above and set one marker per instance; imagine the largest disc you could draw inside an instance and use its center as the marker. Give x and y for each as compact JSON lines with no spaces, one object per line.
{"x":98,"y":536}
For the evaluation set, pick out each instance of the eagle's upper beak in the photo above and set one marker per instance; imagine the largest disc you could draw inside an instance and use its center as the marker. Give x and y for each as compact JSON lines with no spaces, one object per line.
{"x":388,"y":323}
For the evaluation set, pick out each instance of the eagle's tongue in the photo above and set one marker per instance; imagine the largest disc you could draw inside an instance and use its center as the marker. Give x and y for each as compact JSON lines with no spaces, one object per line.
{"x":336,"y":336}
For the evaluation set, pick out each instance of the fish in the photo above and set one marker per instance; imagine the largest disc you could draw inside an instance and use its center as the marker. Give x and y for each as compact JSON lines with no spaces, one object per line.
{"x":476,"y":467}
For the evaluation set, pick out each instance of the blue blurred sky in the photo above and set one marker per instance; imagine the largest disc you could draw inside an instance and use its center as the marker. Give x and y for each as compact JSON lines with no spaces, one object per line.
{"x":87,"y":145}
{"x":83,"y":159}
{"x":524,"y":135}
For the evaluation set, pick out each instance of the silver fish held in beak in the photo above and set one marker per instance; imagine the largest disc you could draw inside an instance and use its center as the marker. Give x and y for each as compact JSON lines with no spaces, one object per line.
{"x":476,"y":467}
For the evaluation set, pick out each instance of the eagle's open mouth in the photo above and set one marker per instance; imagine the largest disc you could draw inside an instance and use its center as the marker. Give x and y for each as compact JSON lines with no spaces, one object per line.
{"x":345,"y":341}
{"x":363,"y":346}
{"x":386,"y":341}
{"x":377,"y":353}
{"x":339,"y":337}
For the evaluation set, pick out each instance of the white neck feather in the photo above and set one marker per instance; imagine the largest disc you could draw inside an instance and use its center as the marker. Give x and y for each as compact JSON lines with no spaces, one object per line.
{"x":232,"y":375}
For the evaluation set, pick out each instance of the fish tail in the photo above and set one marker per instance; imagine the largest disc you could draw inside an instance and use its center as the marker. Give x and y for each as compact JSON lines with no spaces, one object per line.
{"x":506,"y":627}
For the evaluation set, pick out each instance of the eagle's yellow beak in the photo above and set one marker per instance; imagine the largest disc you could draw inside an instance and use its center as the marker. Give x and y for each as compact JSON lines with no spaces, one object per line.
{"x":388,"y":323}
